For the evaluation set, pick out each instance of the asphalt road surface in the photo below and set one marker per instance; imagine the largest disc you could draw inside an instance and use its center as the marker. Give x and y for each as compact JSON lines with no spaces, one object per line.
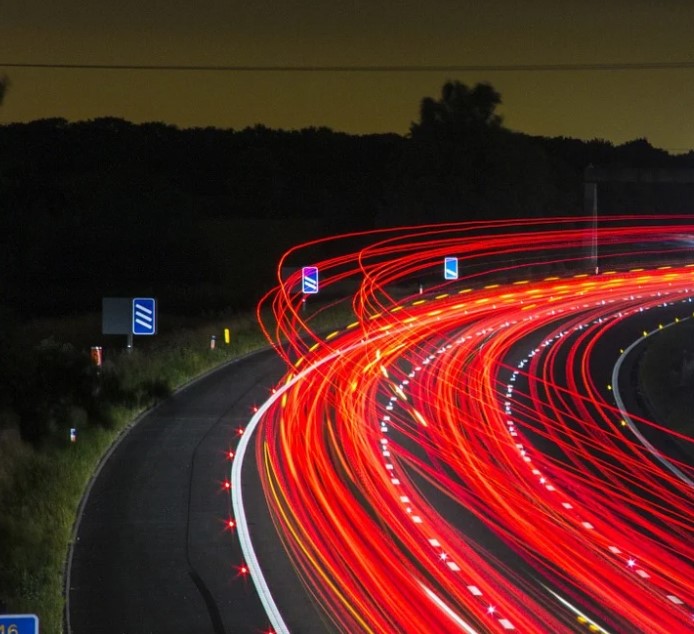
{"x":152,"y":551}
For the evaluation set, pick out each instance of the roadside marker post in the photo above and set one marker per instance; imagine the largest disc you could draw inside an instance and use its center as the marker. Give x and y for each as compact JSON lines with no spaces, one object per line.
{"x":144,"y":316}
{"x":450,"y":268}
{"x":309,"y":280}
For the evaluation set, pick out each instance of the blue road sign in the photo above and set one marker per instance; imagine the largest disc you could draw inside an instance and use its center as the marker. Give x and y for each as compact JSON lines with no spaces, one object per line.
{"x":144,"y":316}
{"x":450,"y":268}
{"x":19,"y":624}
{"x":309,"y":279}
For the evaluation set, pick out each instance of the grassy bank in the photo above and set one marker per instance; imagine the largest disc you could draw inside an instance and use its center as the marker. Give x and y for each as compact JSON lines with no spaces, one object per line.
{"x":41,"y":485}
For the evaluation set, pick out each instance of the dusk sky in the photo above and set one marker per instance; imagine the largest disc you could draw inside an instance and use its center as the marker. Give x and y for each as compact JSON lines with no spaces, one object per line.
{"x":618,"y":105}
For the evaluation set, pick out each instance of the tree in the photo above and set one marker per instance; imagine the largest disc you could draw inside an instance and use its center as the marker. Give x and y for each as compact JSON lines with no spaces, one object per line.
{"x":461,"y":163}
{"x":448,"y":166}
{"x":4,"y":85}
{"x":460,"y":109}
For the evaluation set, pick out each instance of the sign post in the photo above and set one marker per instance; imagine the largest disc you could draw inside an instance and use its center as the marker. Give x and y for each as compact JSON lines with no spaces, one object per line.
{"x":450,"y":268}
{"x":144,"y":316}
{"x":128,"y":316}
{"x":309,"y":279}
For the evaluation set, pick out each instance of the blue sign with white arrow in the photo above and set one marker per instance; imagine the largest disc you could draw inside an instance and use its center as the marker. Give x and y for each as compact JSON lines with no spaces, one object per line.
{"x":144,"y":316}
{"x":450,"y":268}
{"x":309,"y":279}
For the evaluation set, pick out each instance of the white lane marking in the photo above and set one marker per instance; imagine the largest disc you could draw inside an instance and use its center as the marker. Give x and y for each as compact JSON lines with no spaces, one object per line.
{"x":575,"y":610}
{"x":625,"y":416}
{"x":446,"y":610}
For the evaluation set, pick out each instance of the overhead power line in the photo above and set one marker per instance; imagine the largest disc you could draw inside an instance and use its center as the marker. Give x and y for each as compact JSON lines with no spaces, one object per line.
{"x":407,"y":68}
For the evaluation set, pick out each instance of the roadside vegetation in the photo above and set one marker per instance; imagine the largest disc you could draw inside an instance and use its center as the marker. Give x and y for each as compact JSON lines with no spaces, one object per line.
{"x":199,"y":219}
{"x":49,"y":386}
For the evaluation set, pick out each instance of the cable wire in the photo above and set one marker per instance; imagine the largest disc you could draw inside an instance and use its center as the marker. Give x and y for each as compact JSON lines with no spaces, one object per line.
{"x":407,"y":68}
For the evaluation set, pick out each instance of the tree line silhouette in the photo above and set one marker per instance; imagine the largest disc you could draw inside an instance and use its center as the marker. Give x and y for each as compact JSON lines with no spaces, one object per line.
{"x":199,"y":216}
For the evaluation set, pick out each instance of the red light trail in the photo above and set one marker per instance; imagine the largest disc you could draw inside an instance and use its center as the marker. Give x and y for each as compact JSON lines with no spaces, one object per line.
{"x":490,"y":394}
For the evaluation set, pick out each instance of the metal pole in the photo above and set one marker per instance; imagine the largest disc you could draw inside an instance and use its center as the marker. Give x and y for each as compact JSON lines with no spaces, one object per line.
{"x":596,"y":266}
{"x":129,"y":346}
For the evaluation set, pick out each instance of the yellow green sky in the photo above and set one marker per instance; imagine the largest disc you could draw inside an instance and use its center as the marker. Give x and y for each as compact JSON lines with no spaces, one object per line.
{"x":614,"y":105}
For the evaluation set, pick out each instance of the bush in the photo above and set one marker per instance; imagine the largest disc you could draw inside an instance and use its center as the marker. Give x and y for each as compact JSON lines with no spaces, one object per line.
{"x":41,"y":484}
{"x":44,"y":390}
{"x":46,"y":386}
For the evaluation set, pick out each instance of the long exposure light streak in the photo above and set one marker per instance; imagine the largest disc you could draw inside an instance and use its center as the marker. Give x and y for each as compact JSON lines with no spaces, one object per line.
{"x":453,"y":458}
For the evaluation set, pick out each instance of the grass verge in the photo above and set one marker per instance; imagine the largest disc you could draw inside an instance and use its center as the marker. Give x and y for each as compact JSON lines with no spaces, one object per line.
{"x":41,"y":488}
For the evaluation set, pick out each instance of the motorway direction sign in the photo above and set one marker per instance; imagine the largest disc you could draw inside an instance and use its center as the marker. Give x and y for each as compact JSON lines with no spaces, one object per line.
{"x":450,"y":268}
{"x":19,"y":624}
{"x":309,"y":279}
{"x":144,"y":316}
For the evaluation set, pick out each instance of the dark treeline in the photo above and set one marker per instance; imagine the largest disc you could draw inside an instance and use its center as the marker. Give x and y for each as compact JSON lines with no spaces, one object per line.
{"x":200,"y":216}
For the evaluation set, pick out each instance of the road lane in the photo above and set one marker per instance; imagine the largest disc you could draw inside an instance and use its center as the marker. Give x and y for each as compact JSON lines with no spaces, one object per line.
{"x":152,"y":552}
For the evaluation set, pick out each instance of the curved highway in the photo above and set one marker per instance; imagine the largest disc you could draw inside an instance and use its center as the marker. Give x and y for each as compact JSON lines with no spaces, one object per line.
{"x":154,"y":551}
{"x":454,"y":461}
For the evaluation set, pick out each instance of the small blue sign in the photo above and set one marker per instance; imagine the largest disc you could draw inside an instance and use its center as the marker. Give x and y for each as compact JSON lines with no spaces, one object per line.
{"x":144,"y":316}
{"x":450,"y":268}
{"x":309,"y":279}
{"x":19,"y":624}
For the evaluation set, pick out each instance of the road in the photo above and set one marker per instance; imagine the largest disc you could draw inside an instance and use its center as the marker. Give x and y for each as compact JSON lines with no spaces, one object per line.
{"x":153,"y":552}
{"x":451,"y":461}
{"x":455,"y":461}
